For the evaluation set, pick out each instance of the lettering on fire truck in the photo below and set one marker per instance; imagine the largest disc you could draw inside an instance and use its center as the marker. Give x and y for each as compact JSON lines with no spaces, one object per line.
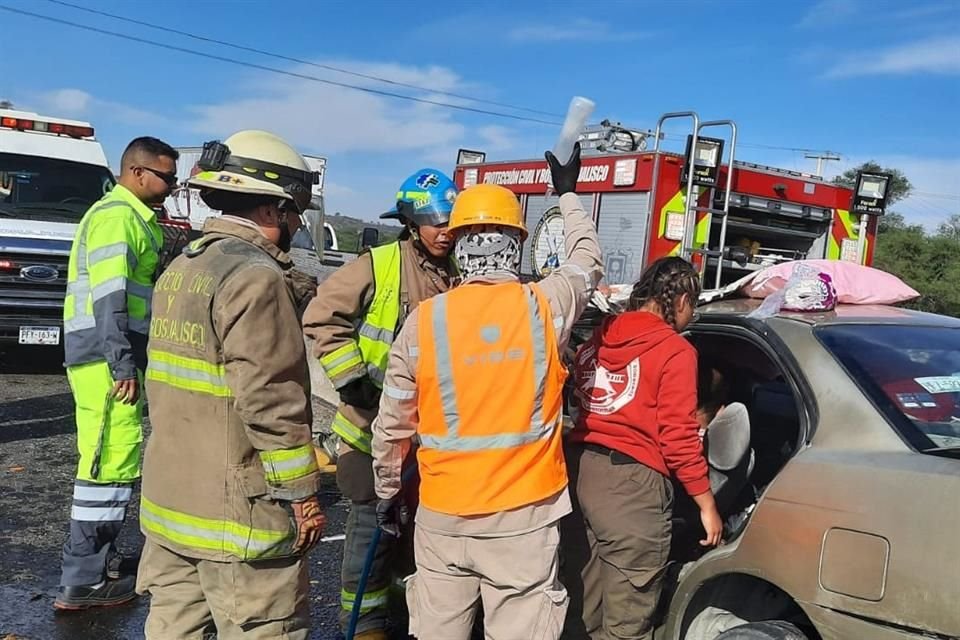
{"x":594,"y":173}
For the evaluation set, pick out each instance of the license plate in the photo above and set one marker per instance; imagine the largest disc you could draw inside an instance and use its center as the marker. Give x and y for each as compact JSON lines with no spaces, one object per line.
{"x":40,"y":335}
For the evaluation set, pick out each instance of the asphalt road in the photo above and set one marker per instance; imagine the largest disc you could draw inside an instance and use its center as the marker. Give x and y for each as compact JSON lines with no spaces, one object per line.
{"x":37,"y":458}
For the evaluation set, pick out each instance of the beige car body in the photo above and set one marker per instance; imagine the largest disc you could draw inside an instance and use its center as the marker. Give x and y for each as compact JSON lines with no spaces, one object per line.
{"x":858,"y":531}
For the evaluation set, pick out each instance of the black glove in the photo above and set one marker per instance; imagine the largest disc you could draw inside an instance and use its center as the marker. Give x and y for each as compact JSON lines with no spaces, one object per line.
{"x":361,"y":393}
{"x":565,"y":175}
{"x":391,"y":515}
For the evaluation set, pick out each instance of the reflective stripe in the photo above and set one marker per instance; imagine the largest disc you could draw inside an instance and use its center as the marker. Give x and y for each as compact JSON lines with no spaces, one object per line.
{"x":80,"y":324}
{"x":375,"y":374}
{"x":375,"y":333}
{"x":448,"y":392}
{"x":452,"y":441}
{"x":285,"y":465}
{"x":112,"y":251}
{"x":189,"y":374}
{"x":212,"y":535}
{"x":399,"y":394}
{"x":539,"y":358}
{"x":479,"y":443}
{"x":105,"y":288}
{"x":97,"y":514}
{"x":144,"y":291}
{"x":340,"y":360}
{"x":371,"y":599}
{"x":352,"y":434}
{"x":102,"y":494}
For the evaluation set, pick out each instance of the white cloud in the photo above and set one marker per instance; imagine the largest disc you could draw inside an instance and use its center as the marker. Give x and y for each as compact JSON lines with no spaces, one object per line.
{"x":827,"y":13}
{"x":581,"y":30}
{"x":938,"y":55}
{"x":330,"y":119}
{"x":76,"y":103}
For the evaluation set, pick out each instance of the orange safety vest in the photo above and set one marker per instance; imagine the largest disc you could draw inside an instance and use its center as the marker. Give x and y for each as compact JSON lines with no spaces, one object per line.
{"x":489,"y":381}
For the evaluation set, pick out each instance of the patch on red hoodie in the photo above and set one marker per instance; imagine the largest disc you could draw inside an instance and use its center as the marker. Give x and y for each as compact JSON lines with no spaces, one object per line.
{"x":601,"y":391}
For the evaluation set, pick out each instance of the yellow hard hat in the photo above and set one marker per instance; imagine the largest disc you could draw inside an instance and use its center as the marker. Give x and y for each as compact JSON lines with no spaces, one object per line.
{"x":257,"y":163}
{"x":487,"y":204}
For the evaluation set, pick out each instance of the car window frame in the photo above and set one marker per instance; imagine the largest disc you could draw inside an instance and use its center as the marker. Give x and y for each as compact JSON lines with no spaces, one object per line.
{"x":766,"y":339}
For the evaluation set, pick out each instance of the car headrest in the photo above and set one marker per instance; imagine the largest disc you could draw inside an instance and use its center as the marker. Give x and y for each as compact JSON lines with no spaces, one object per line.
{"x":728,"y":437}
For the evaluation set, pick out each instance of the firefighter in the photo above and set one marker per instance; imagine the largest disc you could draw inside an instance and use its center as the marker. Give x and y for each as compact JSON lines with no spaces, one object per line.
{"x":352,"y":320}
{"x":476,"y":376}
{"x":105,"y":317}
{"x":229,"y":506}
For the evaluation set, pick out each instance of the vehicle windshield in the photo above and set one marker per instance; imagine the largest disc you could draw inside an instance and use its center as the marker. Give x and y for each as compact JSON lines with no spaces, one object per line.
{"x":912,"y":373}
{"x":49,"y":189}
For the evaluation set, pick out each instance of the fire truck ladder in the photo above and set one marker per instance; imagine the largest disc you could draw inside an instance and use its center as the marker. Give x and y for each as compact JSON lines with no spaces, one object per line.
{"x":691,"y":208}
{"x":731,"y":155}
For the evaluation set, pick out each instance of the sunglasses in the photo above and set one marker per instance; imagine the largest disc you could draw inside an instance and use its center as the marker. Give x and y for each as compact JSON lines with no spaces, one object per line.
{"x":169,"y":178}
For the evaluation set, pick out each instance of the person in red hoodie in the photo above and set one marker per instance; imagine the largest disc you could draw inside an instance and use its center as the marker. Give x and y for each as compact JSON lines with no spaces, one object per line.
{"x":635,"y":387}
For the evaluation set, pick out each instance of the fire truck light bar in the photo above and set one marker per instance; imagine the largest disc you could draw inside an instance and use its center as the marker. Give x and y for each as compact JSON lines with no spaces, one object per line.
{"x":58,"y":128}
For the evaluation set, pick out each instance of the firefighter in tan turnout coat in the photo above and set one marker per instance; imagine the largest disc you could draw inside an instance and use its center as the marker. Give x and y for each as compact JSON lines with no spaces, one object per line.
{"x":229,"y":505}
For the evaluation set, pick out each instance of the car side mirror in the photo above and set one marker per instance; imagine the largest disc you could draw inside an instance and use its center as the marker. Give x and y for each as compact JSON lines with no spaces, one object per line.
{"x":369,"y":237}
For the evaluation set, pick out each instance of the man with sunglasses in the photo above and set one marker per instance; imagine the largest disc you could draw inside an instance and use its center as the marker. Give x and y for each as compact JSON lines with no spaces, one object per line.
{"x":228,"y":505}
{"x":352,"y":321}
{"x":106,"y":319}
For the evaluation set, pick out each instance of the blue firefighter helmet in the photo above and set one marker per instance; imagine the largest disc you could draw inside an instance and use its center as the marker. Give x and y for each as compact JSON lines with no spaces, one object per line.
{"x":425,"y":198}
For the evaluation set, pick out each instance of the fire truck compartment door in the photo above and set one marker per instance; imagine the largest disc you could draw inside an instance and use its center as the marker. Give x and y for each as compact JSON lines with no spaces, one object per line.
{"x":623,"y":227}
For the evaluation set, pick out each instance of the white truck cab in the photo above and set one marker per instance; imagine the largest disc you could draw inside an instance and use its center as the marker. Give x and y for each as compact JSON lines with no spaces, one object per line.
{"x":51,"y":171}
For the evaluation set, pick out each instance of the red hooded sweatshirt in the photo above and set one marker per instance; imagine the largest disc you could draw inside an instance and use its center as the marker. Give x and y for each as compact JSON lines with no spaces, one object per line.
{"x":636,"y":388}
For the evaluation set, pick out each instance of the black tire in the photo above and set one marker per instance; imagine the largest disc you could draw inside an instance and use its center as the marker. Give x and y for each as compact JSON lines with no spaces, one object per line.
{"x":768,"y":630}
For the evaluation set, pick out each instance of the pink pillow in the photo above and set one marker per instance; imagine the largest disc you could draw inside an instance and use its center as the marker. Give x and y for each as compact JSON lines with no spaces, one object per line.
{"x":854,"y":283}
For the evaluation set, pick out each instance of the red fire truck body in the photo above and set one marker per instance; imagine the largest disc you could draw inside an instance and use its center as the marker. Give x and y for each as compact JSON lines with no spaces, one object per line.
{"x":774,"y":215}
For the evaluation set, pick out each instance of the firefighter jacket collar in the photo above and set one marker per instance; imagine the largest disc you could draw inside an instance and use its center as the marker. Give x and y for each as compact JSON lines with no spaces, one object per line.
{"x":444,"y":267}
{"x":217,"y":228}
{"x":136,"y":203}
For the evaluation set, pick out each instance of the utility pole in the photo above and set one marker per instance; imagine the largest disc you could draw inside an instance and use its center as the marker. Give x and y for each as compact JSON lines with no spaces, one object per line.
{"x":820,"y":157}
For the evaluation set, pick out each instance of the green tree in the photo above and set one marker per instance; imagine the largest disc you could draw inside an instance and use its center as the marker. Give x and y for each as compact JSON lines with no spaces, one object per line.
{"x":899,"y":188}
{"x":951,"y":228}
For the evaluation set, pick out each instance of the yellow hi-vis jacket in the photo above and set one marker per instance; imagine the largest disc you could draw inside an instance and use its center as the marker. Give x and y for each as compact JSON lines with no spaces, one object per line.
{"x":106,"y":312}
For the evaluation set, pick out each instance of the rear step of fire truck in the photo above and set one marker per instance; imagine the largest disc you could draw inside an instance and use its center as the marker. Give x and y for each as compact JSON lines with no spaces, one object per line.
{"x":692,"y":208}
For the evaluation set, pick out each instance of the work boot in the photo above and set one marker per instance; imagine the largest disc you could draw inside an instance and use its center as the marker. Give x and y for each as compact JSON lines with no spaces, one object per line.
{"x":108,"y":594}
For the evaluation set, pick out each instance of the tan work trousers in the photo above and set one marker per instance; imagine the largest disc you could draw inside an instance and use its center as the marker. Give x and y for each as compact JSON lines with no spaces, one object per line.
{"x":616,"y":545}
{"x":195,"y":599}
{"x":514,"y":577}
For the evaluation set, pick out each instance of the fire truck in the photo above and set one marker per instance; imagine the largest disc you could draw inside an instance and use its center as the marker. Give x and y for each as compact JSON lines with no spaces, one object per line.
{"x":742,"y":218}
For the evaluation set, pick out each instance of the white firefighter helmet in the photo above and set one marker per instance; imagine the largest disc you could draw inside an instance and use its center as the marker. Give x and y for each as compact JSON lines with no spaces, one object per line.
{"x":256,"y":163}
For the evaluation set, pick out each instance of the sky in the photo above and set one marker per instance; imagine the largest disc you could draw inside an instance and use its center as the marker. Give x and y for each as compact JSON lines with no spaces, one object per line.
{"x":866,"y":79}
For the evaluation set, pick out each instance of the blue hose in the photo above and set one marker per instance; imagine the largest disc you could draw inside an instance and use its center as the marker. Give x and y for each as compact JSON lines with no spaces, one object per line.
{"x":368,"y":565}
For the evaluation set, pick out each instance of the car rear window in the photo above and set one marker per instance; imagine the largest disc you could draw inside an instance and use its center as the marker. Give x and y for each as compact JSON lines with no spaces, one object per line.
{"x":912,"y":373}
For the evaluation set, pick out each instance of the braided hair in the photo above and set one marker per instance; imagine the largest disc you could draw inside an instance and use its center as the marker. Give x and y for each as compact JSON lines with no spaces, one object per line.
{"x":663,"y":283}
